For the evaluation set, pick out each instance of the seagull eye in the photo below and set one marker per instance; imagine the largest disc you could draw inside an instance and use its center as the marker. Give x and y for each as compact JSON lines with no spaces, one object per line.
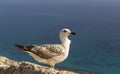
{"x":65,"y":31}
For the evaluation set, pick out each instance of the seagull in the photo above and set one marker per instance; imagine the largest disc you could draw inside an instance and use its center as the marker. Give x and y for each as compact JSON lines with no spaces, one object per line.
{"x":50,"y":54}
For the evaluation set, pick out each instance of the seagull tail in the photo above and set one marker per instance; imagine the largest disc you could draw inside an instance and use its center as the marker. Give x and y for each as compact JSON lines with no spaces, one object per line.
{"x":25,"y":48}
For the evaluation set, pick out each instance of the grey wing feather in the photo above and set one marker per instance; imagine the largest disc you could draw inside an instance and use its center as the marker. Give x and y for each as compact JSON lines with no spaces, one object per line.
{"x":48,"y":51}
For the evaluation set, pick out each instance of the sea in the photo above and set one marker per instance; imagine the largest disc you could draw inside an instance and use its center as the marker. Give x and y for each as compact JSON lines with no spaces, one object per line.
{"x":96,"y":46}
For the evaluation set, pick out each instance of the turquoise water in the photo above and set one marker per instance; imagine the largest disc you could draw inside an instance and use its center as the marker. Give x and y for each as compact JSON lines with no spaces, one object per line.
{"x":96,"y":46}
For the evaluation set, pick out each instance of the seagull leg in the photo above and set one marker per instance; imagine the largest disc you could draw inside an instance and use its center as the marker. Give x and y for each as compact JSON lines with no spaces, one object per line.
{"x":52,"y":66}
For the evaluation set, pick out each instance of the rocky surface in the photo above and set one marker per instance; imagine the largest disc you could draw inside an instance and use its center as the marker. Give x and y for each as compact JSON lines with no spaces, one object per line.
{"x":8,"y":66}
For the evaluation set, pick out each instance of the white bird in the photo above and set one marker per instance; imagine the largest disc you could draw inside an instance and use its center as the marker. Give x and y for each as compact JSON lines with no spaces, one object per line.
{"x":50,"y":54}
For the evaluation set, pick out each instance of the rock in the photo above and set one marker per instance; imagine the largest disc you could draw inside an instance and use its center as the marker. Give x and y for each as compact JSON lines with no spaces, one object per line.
{"x":8,"y":66}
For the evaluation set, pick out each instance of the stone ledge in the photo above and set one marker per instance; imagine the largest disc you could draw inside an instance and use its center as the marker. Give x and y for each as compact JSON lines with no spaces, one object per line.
{"x":8,"y":66}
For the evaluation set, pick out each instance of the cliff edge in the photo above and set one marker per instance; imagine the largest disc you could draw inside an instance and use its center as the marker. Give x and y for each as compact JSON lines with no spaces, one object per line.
{"x":8,"y":66}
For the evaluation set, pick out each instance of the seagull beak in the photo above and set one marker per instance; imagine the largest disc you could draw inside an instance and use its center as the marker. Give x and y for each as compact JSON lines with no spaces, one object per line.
{"x":73,"y":33}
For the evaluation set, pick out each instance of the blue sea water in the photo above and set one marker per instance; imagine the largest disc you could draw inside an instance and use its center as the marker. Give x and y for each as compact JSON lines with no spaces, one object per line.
{"x":96,"y":47}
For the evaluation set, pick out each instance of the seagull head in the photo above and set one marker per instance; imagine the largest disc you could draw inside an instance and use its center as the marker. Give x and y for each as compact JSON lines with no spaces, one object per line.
{"x":66,"y":32}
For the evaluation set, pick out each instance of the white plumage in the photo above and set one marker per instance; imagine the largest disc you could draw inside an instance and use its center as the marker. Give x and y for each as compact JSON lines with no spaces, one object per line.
{"x":50,"y":53}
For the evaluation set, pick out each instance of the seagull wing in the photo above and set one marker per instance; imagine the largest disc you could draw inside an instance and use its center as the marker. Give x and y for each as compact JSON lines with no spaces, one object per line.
{"x":48,"y":51}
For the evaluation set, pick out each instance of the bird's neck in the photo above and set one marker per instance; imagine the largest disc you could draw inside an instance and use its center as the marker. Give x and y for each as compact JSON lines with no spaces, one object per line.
{"x":65,"y":42}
